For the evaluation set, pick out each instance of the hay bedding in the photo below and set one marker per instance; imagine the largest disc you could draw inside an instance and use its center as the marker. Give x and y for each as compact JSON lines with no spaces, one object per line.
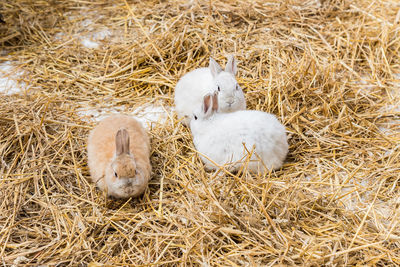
{"x":328,"y":69}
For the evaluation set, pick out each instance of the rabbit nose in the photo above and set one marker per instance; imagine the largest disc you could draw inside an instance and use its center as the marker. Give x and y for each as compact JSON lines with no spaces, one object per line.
{"x":230,"y":101}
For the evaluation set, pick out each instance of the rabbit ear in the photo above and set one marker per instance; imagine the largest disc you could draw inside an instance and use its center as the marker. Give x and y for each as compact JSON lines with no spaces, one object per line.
{"x":215,"y":101}
{"x":214,"y":67}
{"x":122,"y":142}
{"x":207,"y":102}
{"x":231,"y":66}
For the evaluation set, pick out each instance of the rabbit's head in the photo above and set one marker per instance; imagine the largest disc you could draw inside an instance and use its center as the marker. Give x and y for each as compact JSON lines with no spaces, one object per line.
{"x":123,"y":178}
{"x":230,"y":94}
{"x":207,"y":110}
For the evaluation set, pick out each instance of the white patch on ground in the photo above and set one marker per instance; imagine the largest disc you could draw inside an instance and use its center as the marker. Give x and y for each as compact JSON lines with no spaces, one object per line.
{"x":396,"y":90}
{"x":97,"y":114}
{"x":59,"y":35}
{"x":308,"y":4}
{"x":390,"y":108}
{"x":9,"y":75}
{"x":91,"y":40}
{"x":148,"y":115}
{"x":349,"y":199}
{"x":397,"y":77}
{"x":365,"y":84}
{"x":86,"y":23}
{"x":390,"y":128}
{"x":19,"y":260}
{"x":352,"y":194}
{"x":357,"y":196}
{"x":263,"y":46}
{"x":384,"y":208}
{"x":89,"y":34}
{"x":89,"y":43}
{"x":308,"y":178}
{"x":101,"y":35}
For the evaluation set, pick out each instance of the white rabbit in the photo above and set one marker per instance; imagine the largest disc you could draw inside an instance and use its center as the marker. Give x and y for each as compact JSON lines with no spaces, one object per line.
{"x":221,"y":138}
{"x":194,"y":85}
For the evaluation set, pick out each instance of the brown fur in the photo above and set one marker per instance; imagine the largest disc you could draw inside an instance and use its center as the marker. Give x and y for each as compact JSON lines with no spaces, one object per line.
{"x":215,"y":102}
{"x":122,"y":142}
{"x":102,"y":149}
{"x":206,"y":102}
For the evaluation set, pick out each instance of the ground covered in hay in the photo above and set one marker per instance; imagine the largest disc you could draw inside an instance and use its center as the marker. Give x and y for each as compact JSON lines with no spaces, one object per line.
{"x":328,"y":69}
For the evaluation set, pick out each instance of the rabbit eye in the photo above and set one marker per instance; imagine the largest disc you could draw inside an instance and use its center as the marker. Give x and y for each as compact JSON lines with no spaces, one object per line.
{"x":195,"y":117}
{"x":116,"y":175}
{"x":219,"y":88}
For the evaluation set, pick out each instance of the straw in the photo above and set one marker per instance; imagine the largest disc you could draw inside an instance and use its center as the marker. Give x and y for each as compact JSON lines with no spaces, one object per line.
{"x":329,"y":70}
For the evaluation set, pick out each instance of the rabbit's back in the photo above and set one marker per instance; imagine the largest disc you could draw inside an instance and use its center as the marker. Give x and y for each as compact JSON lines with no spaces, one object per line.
{"x":190,"y":89}
{"x":222,"y":139}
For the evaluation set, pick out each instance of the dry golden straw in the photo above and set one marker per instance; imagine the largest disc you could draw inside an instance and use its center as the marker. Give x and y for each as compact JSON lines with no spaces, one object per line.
{"x":329,"y":69}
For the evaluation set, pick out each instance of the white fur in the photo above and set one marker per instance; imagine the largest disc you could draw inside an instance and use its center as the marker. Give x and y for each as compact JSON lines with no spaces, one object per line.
{"x":192,"y":87}
{"x":222,"y":137}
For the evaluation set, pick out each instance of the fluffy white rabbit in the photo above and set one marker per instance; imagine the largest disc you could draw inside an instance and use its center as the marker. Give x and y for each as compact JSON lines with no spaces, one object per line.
{"x":194,"y":85}
{"x":227,"y":138}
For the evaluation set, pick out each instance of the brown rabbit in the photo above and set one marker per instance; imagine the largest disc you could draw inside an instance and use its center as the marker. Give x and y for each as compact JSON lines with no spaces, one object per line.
{"x":119,"y":156}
